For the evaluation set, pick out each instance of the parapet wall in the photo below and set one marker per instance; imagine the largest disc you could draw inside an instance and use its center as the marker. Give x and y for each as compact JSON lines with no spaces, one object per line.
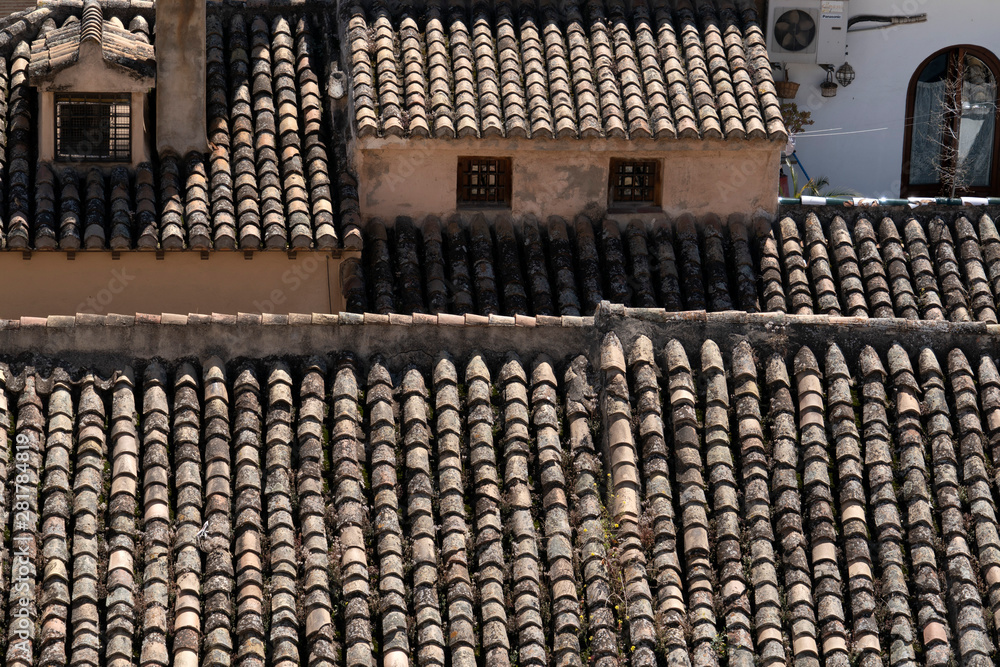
{"x":103,"y":341}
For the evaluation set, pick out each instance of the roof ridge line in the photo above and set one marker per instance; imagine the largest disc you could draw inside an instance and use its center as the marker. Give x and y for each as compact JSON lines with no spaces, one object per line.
{"x":92,"y":28}
{"x":604,"y":317}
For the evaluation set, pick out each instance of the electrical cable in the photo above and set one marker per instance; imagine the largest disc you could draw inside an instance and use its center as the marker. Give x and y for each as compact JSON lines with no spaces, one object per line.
{"x":891,"y":20}
{"x":907,"y":121}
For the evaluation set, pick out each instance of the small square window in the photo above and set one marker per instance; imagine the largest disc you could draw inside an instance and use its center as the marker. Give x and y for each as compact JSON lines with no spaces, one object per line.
{"x":94,"y":127}
{"x":634,"y":183}
{"x":484,"y":182}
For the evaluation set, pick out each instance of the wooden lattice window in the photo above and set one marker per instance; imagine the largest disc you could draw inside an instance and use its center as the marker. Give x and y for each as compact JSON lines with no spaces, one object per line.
{"x":634,"y":183}
{"x":94,"y":127}
{"x":484,"y":182}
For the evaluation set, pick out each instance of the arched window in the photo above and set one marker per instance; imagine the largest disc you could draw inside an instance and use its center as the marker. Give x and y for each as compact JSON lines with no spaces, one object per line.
{"x":952,"y":144}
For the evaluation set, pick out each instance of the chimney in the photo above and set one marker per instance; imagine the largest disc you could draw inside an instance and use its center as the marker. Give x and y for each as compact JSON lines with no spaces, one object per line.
{"x":180,"y":76}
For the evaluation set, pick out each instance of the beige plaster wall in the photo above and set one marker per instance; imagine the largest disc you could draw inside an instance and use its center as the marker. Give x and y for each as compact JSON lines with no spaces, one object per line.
{"x":418,"y":178}
{"x":59,"y":283}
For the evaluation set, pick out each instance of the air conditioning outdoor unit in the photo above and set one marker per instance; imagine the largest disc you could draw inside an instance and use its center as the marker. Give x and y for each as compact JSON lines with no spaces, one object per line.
{"x":807,"y":31}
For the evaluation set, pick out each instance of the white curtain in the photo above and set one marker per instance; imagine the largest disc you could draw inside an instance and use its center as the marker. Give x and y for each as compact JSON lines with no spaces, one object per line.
{"x":928,"y":114}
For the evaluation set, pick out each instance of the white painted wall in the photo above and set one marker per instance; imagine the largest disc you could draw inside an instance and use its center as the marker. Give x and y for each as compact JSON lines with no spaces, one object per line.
{"x":885,"y":60}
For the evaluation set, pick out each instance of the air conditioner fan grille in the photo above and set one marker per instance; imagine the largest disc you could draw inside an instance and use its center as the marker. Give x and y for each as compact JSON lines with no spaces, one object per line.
{"x":794,"y":30}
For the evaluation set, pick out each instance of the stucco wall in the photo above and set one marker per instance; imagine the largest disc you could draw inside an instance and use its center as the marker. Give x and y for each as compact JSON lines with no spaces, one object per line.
{"x":60,"y":283}
{"x":873,"y":108}
{"x":419,"y":178}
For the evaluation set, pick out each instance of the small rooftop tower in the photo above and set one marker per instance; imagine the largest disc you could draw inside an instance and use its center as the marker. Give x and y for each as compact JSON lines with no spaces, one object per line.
{"x":180,"y":76}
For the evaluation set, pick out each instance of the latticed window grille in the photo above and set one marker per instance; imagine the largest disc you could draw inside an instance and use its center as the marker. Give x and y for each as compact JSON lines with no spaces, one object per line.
{"x":94,"y":127}
{"x":634,"y":182}
{"x":483,"y":182}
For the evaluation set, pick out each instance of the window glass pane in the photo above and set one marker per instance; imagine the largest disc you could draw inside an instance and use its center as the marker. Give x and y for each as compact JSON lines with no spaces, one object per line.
{"x":936,"y":70}
{"x":928,"y":122}
{"x":977,"y":123}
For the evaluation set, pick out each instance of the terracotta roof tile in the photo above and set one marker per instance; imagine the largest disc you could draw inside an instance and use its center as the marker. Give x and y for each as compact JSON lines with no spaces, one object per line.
{"x":958,"y":297}
{"x":439,"y":93}
{"x":516,"y":122}
{"x":536,"y":84}
{"x":318,"y":163}
{"x":744,"y":85}
{"x":19,"y":113}
{"x":467,"y":122}
{"x":559,"y":74}
{"x":717,"y":59}
{"x":274,"y":233}
{"x":487,"y":79}
{"x":120,"y":209}
{"x":220,"y":173}
{"x":414,"y":77}
{"x":607,"y":65}
{"x":387,"y":71}
{"x":362,"y":73}
{"x":582,"y":71}
{"x":95,"y":210}
{"x":45,"y":213}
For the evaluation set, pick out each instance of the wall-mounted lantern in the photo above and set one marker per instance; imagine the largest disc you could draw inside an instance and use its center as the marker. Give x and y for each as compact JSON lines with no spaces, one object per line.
{"x":845,"y":75}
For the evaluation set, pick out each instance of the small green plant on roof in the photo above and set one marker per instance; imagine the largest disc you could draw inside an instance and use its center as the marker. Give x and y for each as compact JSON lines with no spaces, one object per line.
{"x":720,"y":645}
{"x":795,"y":120}
{"x":820,"y":187}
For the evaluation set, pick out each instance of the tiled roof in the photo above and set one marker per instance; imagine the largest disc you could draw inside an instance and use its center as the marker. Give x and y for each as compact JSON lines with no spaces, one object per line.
{"x":276,"y":176}
{"x":873,"y":263}
{"x":507,"y":68}
{"x":916,"y":266}
{"x":57,"y":48}
{"x":655,"y":500}
{"x":555,"y":267}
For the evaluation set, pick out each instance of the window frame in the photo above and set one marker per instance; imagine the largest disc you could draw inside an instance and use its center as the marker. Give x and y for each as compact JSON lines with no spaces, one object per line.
{"x":62,"y":100}
{"x":954,"y":53}
{"x":464,"y":169}
{"x":654,"y":204}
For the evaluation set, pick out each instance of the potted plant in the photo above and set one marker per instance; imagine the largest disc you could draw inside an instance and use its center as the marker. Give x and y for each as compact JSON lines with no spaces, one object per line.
{"x":795,"y":120}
